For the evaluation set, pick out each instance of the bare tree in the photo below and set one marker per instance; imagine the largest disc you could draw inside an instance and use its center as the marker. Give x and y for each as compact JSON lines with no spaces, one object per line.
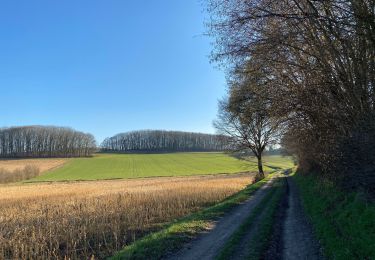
{"x":320,"y":58}
{"x":246,"y":119}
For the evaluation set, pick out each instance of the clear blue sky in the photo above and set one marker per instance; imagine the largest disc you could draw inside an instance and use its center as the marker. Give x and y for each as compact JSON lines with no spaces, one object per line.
{"x":107,"y":66}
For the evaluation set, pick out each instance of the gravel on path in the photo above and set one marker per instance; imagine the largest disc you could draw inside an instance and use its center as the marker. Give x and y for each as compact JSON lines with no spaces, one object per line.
{"x":299,"y":242}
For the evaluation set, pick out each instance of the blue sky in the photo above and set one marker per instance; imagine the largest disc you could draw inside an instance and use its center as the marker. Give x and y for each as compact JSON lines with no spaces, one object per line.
{"x":106,"y":67}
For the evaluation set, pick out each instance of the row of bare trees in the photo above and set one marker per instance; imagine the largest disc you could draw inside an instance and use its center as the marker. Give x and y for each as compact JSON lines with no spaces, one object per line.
{"x":314,"y":64}
{"x":51,"y":141}
{"x":159,"y":140}
{"x":45,"y":141}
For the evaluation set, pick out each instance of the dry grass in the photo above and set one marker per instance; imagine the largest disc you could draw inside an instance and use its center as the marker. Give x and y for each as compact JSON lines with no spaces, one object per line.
{"x":19,"y":174}
{"x":84,"y":219}
{"x":42,"y":164}
{"x":23,"y":169}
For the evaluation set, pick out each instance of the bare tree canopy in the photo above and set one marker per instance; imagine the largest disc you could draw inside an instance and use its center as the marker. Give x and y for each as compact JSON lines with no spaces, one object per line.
{"x":45,"y":141}
{"x":245,"y":117}
{"x":319,"y":57}
{"x":160,"y":140}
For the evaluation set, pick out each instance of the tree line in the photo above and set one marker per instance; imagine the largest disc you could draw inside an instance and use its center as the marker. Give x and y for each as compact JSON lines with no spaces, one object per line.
{"x":160,"y":140}
{"x":308,"y":68}
{"x":45,"y":141}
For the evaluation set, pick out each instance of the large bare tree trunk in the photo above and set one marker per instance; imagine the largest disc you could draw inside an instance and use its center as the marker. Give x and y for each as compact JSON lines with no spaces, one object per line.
{"x":260,"y":167}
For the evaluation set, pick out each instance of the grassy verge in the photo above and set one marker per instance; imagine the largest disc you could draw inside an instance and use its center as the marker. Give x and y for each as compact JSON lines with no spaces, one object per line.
{"x":344,"y":222}
{"x":267,"y":208}
{"x":155,"y":245}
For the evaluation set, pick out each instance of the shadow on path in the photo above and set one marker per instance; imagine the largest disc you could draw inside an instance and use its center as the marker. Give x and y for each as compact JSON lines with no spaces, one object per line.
{"x":298,"y":240}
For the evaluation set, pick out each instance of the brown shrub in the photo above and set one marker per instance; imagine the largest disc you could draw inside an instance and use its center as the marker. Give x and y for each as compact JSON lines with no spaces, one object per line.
{"x":19,"y":174}
{"x":44,"y":164}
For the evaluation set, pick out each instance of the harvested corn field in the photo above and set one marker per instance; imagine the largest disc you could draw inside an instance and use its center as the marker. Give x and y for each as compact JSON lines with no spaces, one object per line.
{"x":85,"y":219}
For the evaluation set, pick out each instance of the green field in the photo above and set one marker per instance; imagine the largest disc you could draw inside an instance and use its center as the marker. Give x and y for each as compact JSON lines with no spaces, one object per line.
{"x":112,"y":166}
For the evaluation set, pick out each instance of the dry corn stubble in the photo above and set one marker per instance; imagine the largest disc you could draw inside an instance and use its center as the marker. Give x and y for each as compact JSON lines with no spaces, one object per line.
{"x":81,"y":219}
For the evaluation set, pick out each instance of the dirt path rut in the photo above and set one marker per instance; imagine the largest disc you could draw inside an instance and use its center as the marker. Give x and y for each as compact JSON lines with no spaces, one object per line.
{"x":292,"y":238}
{"x":298,"y":239}
{"x":209,"y":244}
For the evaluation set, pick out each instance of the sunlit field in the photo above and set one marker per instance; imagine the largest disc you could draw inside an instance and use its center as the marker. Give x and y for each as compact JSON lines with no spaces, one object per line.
{"x":97,"y":218}
{"x":42,"y":164}
{"x":118,"y":166}
{"x":14,"y":170}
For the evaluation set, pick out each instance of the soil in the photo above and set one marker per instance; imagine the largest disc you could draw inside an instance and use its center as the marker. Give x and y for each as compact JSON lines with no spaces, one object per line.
{"x":298,"y":239}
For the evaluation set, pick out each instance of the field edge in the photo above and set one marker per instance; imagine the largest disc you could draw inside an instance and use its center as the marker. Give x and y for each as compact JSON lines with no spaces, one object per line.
{"x":167,"y":240}
{"x":343,"y":222}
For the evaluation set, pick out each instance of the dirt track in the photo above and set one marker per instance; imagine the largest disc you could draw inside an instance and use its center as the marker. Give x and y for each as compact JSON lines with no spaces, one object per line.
{"x":298,"y":238}
{"x":209,"y":244}
{"x":293,"y":233}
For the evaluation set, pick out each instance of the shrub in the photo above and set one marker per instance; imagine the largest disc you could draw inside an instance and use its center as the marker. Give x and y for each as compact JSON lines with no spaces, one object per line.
{"x":28,"y":172}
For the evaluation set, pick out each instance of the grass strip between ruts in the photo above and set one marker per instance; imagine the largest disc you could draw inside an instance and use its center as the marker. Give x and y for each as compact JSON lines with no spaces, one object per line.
{"x":260,"y":240}
{"x":232,"y":244}
{"x":269,"y":205}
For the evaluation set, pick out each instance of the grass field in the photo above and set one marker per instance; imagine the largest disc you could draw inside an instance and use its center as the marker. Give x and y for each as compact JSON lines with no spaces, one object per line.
{"x":78,"y":220}
{"x":112,"y":166}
